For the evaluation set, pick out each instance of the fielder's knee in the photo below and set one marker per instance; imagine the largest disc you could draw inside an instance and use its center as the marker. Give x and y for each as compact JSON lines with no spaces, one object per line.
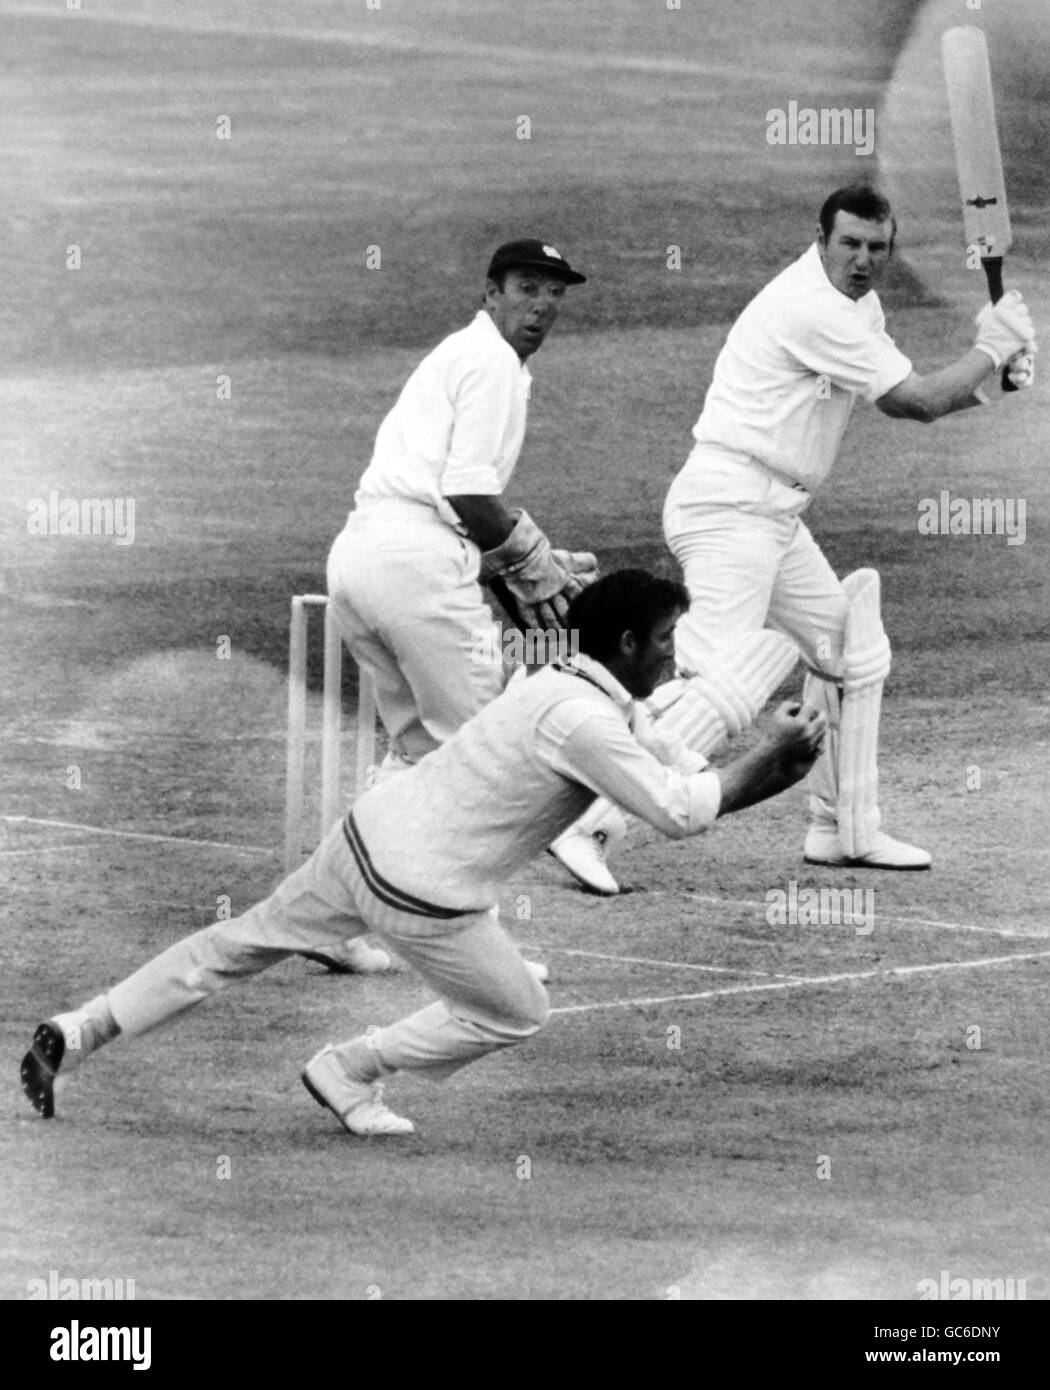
{"x":520,"y":1019}
{"x":531,"y":1012}
{"x":220,"y":955}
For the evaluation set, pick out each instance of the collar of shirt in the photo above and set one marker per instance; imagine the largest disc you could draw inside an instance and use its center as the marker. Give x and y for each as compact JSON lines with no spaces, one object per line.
{"x":814,"y":268}
{"x":595,"y":673}
{"x":484,"y":323}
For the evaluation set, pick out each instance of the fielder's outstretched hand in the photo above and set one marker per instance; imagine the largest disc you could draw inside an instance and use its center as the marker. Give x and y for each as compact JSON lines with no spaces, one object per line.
{"x":797,"y":732}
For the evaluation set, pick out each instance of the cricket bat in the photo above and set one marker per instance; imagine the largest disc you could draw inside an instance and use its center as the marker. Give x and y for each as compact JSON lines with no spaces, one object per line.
{"x":986,"y":218}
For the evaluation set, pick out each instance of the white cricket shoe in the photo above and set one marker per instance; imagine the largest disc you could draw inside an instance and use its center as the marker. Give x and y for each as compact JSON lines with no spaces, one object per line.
{"x":584,"y":852}
{"x":353,"y":957}
{"x":823,"y":846}
{"x":357,"y":1104}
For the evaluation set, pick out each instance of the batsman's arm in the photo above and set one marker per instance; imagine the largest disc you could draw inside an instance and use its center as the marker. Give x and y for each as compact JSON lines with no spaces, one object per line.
{"x":930,"y":397}
{"x":1004,"y":329}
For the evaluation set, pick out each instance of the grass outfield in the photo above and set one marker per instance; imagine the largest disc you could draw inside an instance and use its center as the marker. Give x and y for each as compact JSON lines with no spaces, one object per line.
{"x":654,"y":1169}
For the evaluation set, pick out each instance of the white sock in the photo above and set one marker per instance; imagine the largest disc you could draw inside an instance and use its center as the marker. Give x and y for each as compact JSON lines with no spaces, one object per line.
{"x":360,"y":1061}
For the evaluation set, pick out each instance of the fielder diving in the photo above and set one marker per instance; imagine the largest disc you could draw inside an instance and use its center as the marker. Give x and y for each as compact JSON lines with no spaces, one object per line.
{"x":421,"y":858}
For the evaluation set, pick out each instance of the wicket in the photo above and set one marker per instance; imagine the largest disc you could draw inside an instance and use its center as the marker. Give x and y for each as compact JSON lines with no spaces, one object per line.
{"x":331,"y":728}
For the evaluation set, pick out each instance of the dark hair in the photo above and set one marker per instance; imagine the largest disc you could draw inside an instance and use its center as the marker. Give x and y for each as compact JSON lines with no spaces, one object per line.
{"x":860,"y":200}
{"x":624,"y":601}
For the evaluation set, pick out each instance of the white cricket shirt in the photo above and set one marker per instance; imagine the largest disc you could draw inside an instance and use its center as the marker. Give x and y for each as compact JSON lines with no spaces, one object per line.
{"x":457,"y":426}
{"x":792,"y":366}
{"x":447,"y":833}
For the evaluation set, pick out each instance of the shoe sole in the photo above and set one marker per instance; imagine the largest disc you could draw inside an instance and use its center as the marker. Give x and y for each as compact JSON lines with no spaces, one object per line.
{"x":319,"y":1098}
{"x":584,"y":883}
{"x":864,"y":864}
{"x":39,"y":1067}
{"x":336,"y":967}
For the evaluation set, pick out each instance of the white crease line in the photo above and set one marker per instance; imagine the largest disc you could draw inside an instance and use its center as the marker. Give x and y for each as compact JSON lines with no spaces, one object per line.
{"x":882,"y":917}
{"x":137,"y":835}
{"x":669,"y":964}
{"x":799,"y":982}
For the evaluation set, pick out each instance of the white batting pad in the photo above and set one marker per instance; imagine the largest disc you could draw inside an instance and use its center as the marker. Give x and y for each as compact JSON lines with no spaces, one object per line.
{"x":823,"y":780}
{"x":866,"y":664}
{"x":728,"y":691}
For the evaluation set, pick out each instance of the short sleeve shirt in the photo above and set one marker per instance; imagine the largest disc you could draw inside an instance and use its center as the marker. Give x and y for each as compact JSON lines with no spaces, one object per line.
{"x":457,"y":426}
{"x":792,"y":366}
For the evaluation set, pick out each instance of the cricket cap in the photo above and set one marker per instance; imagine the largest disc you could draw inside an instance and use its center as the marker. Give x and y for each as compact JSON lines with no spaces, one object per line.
{"x":534,"y":255}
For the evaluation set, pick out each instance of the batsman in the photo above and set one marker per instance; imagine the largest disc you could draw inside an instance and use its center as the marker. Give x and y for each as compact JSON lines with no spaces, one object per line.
{"x":783,"y":389}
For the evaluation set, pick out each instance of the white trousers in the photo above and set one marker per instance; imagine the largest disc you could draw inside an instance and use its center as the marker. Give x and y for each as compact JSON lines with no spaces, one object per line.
{"x":405,"y":594}
{"x":749,"y":561}
{"x":488,"y":998}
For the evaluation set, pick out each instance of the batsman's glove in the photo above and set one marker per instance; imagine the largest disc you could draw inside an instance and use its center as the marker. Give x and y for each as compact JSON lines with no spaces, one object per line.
{"x":1005,"y":329}
{"x":540,"y":587}
{"x":1017,"y":375}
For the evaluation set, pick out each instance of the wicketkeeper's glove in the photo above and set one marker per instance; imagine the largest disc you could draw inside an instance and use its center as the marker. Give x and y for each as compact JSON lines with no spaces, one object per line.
{"x":1005,"y":329}
{"x":581,"y":564}
{"x":540,"y":586}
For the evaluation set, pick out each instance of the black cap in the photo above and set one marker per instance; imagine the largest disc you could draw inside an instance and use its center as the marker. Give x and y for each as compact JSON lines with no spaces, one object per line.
{"x":536,"y":255}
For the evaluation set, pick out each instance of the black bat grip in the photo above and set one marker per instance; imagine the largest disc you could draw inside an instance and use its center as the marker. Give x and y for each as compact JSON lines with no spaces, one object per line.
{"x":993,"y":273}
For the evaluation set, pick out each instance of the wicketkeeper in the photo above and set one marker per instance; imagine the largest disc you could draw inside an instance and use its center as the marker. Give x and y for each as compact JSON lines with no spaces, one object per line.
{"x":430,"y":525}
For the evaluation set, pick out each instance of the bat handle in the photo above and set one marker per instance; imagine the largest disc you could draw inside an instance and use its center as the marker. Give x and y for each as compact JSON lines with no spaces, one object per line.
{"x":993,"y":273}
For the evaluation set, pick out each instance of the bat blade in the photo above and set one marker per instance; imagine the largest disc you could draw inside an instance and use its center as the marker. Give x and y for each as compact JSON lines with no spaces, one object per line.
{"x":967,"y":72}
